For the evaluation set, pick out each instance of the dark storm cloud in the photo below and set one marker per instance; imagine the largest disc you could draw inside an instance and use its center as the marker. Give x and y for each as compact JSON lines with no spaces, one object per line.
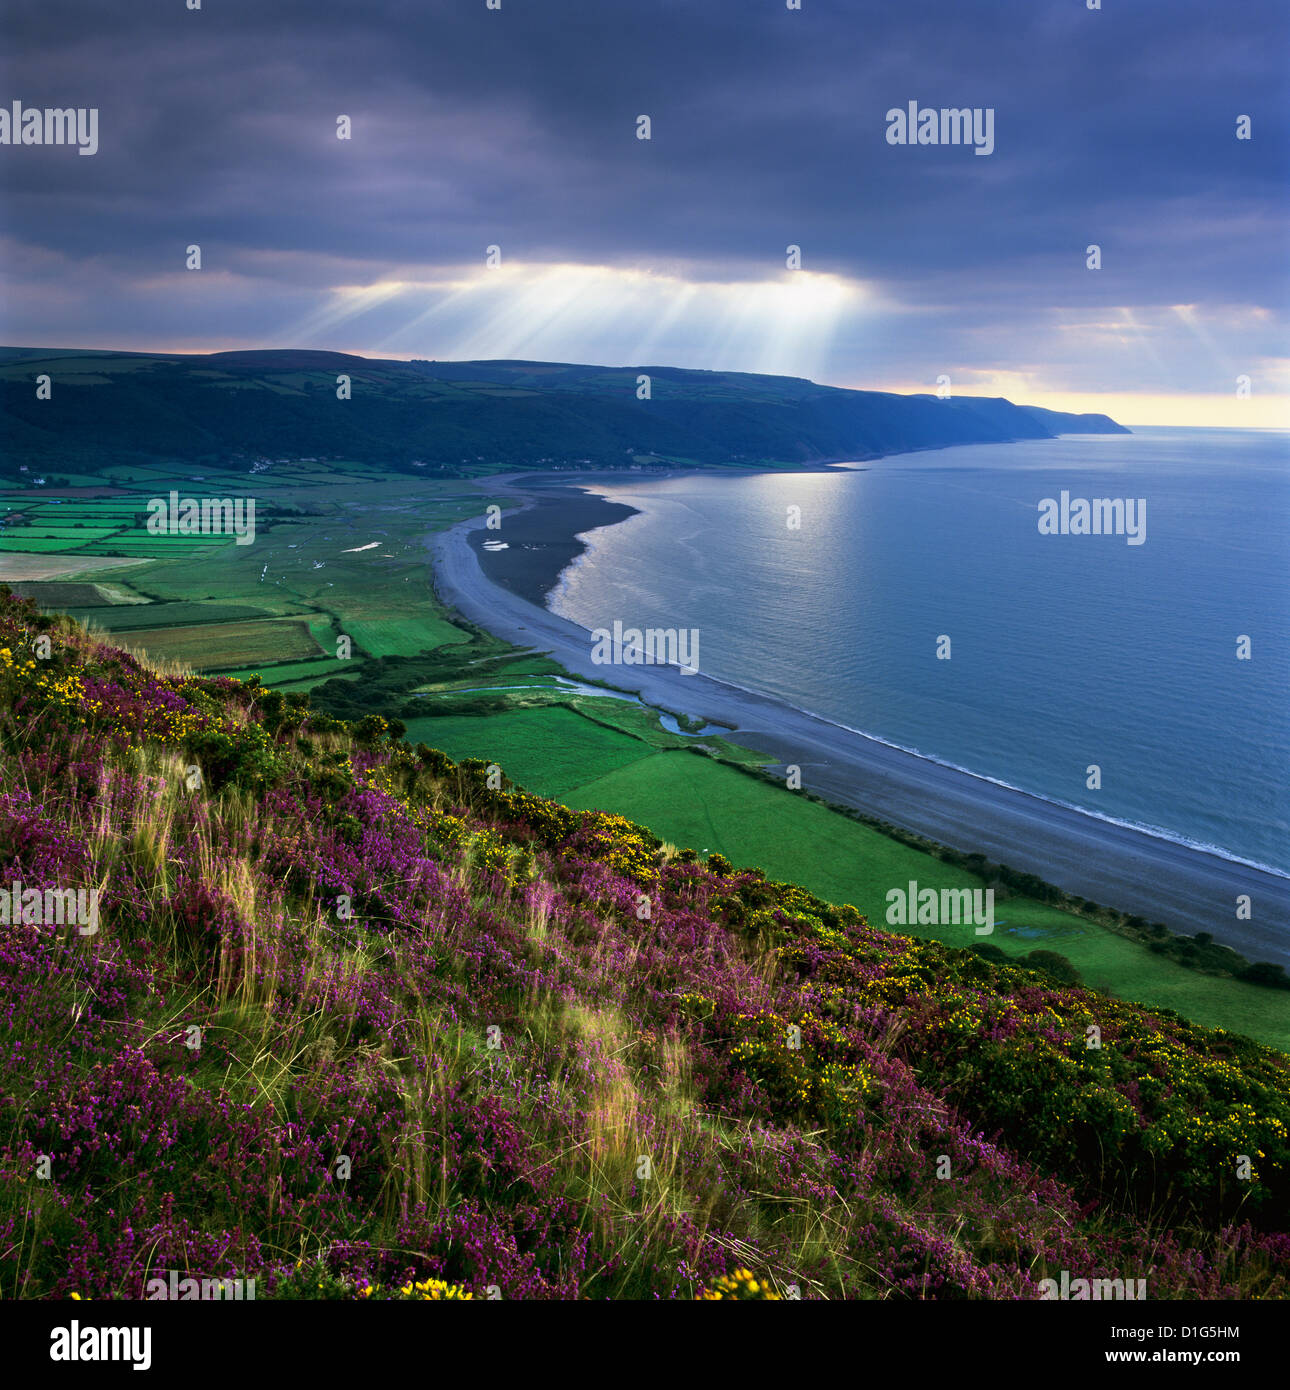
{"x":517,"y":127}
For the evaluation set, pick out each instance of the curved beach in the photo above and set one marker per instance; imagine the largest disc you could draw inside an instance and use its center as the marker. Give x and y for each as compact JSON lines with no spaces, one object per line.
{"x":1187,"y":888}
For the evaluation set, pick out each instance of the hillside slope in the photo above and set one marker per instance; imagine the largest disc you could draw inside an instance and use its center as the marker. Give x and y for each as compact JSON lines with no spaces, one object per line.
{"x":356,"y":1021}
{"x":227,"y":409}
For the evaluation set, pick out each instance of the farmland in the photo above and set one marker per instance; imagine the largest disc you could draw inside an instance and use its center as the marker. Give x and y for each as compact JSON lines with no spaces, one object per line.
{"x":212,"y":646}
{"x":216,"y":605}
{"x":279,"y":609}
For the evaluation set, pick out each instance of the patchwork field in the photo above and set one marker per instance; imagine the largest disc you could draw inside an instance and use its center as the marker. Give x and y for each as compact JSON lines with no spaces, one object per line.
{"x":297,"y":567}
{"x":276,"y":607}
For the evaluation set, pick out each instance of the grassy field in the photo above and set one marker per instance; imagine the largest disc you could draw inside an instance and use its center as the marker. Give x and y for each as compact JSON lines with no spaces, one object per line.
{"x":401,"y":636}
{"x":307,"y":681}
{"x":18,"y":567}
{"x":287,"y":674}
{"x":127,"y":616}
{"x":552,"y":751}
{"x":70,"y":596}
{"x":297,"y":565}
{"x":213,"y":646}
{"x":36,"y":544}
{"x":61,"y":533}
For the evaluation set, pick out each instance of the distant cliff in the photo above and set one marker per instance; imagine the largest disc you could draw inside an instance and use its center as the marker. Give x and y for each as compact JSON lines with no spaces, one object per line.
{"x":225,"y":410}
{"x":1062,"y":422}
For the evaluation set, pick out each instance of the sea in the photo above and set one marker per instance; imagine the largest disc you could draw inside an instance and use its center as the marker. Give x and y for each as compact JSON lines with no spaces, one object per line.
{"x":914,"y":598}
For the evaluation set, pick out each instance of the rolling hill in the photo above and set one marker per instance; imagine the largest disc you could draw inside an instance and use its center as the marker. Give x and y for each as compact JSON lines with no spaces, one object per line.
{"x":229,"y":409}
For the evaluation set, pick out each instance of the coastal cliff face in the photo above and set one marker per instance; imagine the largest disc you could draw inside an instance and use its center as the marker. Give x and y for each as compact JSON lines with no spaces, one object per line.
{"x":230,"y":409}
{"x":352,"y":1020}
{"x":1062,"y":422}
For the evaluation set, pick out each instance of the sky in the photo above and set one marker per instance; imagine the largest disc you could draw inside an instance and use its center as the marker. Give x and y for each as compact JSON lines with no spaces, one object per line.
{"x":516,"y":128}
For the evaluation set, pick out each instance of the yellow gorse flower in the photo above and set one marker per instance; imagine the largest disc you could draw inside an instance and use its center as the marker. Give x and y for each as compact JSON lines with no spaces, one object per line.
{"x":741,"y":1286}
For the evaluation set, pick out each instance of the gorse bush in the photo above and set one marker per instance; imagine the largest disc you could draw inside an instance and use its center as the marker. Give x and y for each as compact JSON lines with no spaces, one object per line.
{"x":1053,"y":964}
{"x":361,"y":1022}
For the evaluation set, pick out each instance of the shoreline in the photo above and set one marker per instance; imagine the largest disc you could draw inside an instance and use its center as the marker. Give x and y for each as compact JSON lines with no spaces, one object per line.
{"x":1187,"y":887}
{"x":540,"y":539}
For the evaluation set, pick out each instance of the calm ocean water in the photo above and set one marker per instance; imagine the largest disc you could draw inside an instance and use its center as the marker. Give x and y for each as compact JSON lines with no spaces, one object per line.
{"x":1066,"y":650}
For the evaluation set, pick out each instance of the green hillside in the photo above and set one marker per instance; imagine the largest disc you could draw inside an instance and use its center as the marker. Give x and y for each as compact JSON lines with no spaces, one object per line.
{"x":355,"y":1021}
{"x":228,"y":410}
